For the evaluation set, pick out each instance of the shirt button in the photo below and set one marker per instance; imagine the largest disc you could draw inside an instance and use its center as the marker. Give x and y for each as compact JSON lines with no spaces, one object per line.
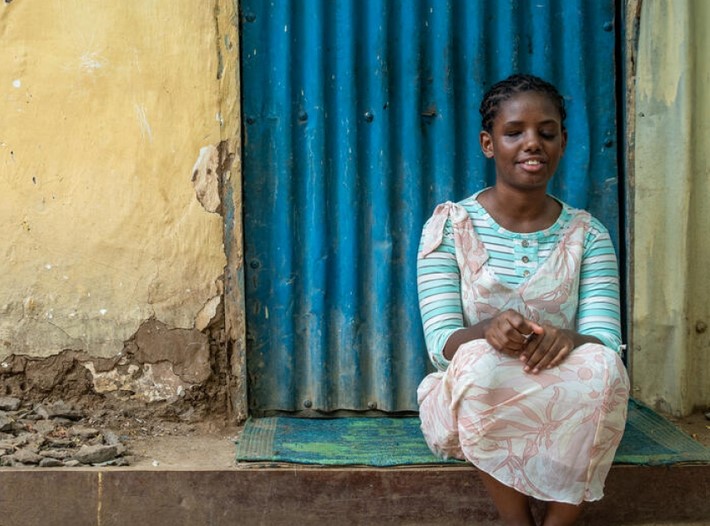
{"x":525,"y":259}
{"x":526,"y":273}
{"x":525,"y":243}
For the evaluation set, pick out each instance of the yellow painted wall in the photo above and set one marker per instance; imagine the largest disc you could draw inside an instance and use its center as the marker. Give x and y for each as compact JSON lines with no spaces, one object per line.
{"x":671,"y":301}
{"x":104,"y":108}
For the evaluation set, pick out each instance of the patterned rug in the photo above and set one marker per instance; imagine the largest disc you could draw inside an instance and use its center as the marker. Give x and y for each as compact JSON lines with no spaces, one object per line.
{"x":649,"y":439}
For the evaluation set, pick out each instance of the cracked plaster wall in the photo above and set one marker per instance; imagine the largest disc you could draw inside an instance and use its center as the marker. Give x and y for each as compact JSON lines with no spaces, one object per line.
{"x":106,"y":111}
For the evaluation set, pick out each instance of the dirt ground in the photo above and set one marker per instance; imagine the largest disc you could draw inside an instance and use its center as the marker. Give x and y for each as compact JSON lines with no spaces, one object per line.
{"x":197,"y":446}
{"x":695,"y":425}
{"x":210,"y":445}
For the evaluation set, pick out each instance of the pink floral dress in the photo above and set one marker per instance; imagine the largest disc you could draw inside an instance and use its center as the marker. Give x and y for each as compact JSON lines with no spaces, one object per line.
{"x":551,"y":435}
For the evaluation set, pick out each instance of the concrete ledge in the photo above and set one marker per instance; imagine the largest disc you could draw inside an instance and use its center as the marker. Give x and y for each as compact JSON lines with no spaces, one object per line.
{"x":323,"y":496}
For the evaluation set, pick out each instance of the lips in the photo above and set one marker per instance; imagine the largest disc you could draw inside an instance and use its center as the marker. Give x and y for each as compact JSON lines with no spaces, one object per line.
{"x":532,"y":162}
{"x":532,"y":165}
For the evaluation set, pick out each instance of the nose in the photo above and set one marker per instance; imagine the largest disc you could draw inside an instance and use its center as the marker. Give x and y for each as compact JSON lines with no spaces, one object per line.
{"x":532,"y":141}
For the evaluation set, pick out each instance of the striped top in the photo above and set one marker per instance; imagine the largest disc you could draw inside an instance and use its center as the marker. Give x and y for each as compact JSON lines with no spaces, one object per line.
{"x":513,"y":257}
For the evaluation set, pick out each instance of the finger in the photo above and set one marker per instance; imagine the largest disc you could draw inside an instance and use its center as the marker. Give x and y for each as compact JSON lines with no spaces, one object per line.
{"x":533,"y":340}
{"x":514,"y":316}
{"x":517,"y":335}
{"x":529,"y":330}
{"x":566,"y":347}
{"x":498,"y":340}
{"x":501,"y":335}
{"x":535,"y":328}
{"x":516,"y":321}
{"x":544,"y":344}
{"x":559,"y":348}
{"x":494,"y":340}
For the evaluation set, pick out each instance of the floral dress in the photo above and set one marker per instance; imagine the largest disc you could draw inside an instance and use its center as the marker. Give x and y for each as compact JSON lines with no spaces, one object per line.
{"x":550,"y":435}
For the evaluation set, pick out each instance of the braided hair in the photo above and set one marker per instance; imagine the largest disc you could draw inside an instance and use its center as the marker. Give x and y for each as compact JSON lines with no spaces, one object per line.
{"x":513,"y":85}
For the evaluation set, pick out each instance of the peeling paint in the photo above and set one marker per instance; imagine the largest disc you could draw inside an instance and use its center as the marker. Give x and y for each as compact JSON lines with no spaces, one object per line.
{"x":114,"y":379}
{"x":205,"y":178}
{"x":149,"y":383}
{"x":158,"y":382}
{"x":207,"y":314}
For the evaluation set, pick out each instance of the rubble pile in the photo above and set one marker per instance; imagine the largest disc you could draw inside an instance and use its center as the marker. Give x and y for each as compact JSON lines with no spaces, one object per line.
{"x":55,"y":435}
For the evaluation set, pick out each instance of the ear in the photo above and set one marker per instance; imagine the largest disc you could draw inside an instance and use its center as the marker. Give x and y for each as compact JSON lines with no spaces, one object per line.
{"x":486,"y":144}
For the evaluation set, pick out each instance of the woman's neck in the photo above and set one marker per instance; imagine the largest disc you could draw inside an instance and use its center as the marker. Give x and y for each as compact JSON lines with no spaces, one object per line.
{"x":520,"y":211}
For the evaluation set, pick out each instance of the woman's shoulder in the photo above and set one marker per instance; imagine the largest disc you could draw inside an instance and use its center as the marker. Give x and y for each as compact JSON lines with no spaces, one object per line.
{"x":592,"y":226}
{"x":457,"y":211}
{"x":579,"y":214}
{"x":471,"y":202}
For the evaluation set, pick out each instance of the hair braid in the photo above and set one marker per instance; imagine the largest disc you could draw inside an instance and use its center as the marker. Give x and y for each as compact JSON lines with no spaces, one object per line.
{"x":507,"y":88}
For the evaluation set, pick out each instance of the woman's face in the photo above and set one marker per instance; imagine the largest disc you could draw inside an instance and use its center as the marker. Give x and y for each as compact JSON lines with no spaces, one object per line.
{"x":526,"y":141}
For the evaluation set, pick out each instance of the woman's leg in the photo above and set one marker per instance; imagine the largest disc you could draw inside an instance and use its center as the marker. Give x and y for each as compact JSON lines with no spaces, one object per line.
{"x":513,"y":507}
{"x":561,"y":514}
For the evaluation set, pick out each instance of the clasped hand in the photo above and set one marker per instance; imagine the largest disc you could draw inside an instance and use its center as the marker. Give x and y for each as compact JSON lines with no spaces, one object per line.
{"x":537,"y":346}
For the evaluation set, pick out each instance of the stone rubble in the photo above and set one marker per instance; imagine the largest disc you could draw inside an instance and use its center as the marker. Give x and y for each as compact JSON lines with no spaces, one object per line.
{"x":55,"y":435}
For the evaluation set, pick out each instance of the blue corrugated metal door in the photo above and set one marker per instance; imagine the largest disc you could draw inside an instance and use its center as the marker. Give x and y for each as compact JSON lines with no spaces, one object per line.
{"x":359,"y":117}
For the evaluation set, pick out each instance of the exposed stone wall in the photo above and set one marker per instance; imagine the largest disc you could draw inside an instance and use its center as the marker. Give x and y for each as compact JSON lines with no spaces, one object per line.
{"x":181,"y":373}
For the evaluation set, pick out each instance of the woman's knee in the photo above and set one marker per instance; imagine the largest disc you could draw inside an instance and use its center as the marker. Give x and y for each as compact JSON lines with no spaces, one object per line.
{"x":475,"y":354}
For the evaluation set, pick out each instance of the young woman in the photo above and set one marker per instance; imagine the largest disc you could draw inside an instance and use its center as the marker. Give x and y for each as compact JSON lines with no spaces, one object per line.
{"x":519,"y":296}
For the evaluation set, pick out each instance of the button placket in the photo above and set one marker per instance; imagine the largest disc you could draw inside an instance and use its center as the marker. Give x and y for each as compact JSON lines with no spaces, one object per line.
{"x":525,"y":257}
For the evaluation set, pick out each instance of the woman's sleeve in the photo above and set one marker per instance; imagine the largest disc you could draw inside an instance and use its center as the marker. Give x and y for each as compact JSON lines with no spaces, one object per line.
{"x":599,"y":312}
{"x":439,"y":287}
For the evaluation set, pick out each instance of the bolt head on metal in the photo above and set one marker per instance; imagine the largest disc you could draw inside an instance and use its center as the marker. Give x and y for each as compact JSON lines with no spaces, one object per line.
{"x":307,"y":403}
{"x":372,"y":405}
{"x":369,"y":117}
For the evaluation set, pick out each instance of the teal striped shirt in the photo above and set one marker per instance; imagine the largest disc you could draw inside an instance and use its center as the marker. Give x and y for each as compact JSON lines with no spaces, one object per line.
{"x":513,"y":257}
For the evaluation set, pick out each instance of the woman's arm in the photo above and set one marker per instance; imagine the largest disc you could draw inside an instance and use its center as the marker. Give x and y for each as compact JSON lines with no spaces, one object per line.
{"x":599,"y":311}
{"x":439,"y":289}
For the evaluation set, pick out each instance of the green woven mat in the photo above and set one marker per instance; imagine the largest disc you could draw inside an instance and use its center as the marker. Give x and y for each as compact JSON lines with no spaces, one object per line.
{"x":648,"y":439}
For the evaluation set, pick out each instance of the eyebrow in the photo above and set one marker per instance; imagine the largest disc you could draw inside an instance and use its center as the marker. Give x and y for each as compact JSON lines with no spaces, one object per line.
{"x":515,"y":123}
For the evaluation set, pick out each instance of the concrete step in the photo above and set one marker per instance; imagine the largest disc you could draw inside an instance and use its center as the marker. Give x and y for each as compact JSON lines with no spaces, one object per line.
{"x":296,"y":495}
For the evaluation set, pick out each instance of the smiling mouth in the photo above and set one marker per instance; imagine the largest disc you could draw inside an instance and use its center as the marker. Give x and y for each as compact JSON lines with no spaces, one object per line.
{"x":533,"y":166}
